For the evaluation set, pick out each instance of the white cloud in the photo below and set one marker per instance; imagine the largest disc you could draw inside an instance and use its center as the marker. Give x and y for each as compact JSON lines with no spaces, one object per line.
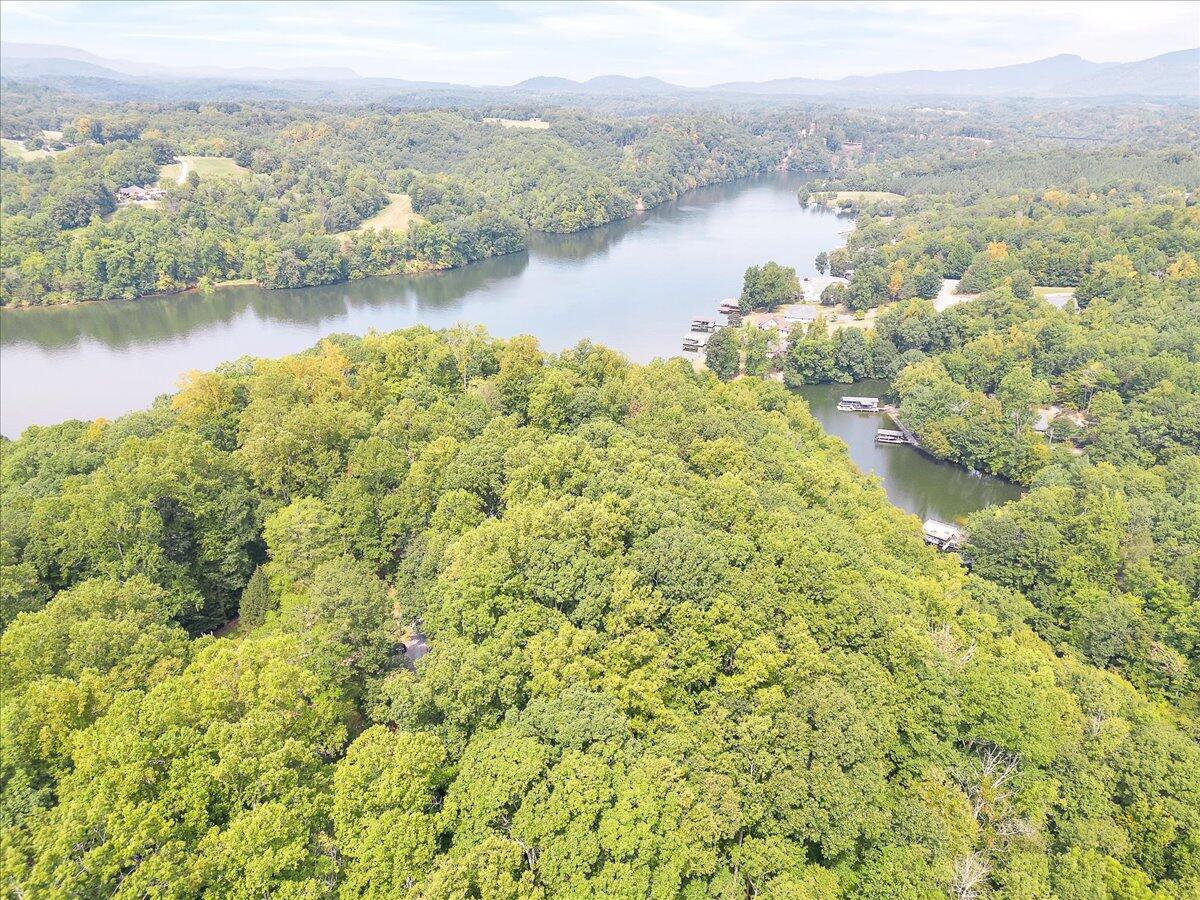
{"x":38,"y":11}
{"x":693,"y":43}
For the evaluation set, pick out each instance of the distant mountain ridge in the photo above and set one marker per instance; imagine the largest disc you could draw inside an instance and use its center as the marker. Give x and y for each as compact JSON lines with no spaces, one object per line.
{"x":1065,"y":75}
{"x":1175,"y":74}
{"x":51,"y":59}
{"x":1172,"y":75}
{"x":602,"y":84}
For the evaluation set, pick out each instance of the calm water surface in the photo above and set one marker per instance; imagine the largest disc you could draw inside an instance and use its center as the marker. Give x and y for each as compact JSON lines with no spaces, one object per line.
{"x":632,"y":285}
{"x":924,"y":486}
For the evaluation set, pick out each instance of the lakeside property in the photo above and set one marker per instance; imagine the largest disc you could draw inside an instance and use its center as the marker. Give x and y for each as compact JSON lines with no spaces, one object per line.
{"x":396,"y":216}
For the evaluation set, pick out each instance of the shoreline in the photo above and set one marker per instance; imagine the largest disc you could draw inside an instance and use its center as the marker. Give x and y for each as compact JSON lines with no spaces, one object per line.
{"x":638,"y":210}
{"x":550,"y":291}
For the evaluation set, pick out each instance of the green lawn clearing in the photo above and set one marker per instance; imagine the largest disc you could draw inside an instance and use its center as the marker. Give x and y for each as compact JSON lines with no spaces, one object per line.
{"x":536,"y":124}
{"x":17,"y":149}
{"x":204,"y":166}
{"x":396,"y":216}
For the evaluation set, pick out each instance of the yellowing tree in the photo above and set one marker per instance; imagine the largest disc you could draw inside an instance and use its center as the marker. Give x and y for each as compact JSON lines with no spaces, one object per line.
{"x":1056,"y":198}
{"x":1184,"y":267}
{"x":896,"y":272}
{"x":997,"y":250}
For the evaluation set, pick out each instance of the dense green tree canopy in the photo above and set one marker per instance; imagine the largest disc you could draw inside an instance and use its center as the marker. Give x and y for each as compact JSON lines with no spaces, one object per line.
{"x":769,"y":286}
{"x":678,"y":647}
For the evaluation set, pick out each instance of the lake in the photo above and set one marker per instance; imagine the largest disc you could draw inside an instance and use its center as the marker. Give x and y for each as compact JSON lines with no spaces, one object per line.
{"x":632,"y":285}
{"x":926,"y":487}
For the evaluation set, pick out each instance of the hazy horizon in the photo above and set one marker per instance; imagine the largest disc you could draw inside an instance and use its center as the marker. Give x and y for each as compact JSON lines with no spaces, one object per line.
{"x":692,"y":44}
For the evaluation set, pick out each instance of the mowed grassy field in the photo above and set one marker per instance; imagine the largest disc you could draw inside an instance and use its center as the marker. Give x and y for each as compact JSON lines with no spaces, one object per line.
{"x":1042,"y":290}
{"x":204,"y":166}
{"x":536,"y":124}
{"x":17,"y":149}
{"x":865,"y":196}
{"x":396,"y":216}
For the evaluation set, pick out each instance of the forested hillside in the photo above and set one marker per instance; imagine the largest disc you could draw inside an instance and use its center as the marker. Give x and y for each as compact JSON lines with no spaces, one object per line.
{"x":310,"y":175}
{"x":677,"y":647}
{"x":300,"y":179}
{"x":1121,"y":352}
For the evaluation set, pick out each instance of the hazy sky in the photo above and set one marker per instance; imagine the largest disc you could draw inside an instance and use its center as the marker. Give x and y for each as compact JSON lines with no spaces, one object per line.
{"x":693,"y":43}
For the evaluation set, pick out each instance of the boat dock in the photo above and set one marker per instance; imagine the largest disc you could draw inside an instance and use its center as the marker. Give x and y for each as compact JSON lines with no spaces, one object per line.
{"x":888,"y":436}
{"x":894,"y":414}
{"x":858,"y":404}
{"x":944,"y":537}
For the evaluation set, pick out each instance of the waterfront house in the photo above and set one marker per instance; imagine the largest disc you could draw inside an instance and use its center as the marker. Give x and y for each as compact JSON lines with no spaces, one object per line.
{"x":775,"y":322}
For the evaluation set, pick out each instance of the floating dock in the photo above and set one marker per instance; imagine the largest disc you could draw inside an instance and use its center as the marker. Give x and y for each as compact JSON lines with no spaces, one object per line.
{"x":731,"y":309}
{"x":694,"y":341}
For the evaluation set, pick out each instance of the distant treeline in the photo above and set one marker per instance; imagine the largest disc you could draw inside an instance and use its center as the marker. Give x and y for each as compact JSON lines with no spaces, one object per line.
{"x":316,"y":171}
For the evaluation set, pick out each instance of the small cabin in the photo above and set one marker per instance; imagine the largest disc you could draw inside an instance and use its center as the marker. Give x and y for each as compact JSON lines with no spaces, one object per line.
{"x":695,"y":341}
{"x":943,"y":536}
{"x":704,"y":323}
{"x":858,"y":404}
